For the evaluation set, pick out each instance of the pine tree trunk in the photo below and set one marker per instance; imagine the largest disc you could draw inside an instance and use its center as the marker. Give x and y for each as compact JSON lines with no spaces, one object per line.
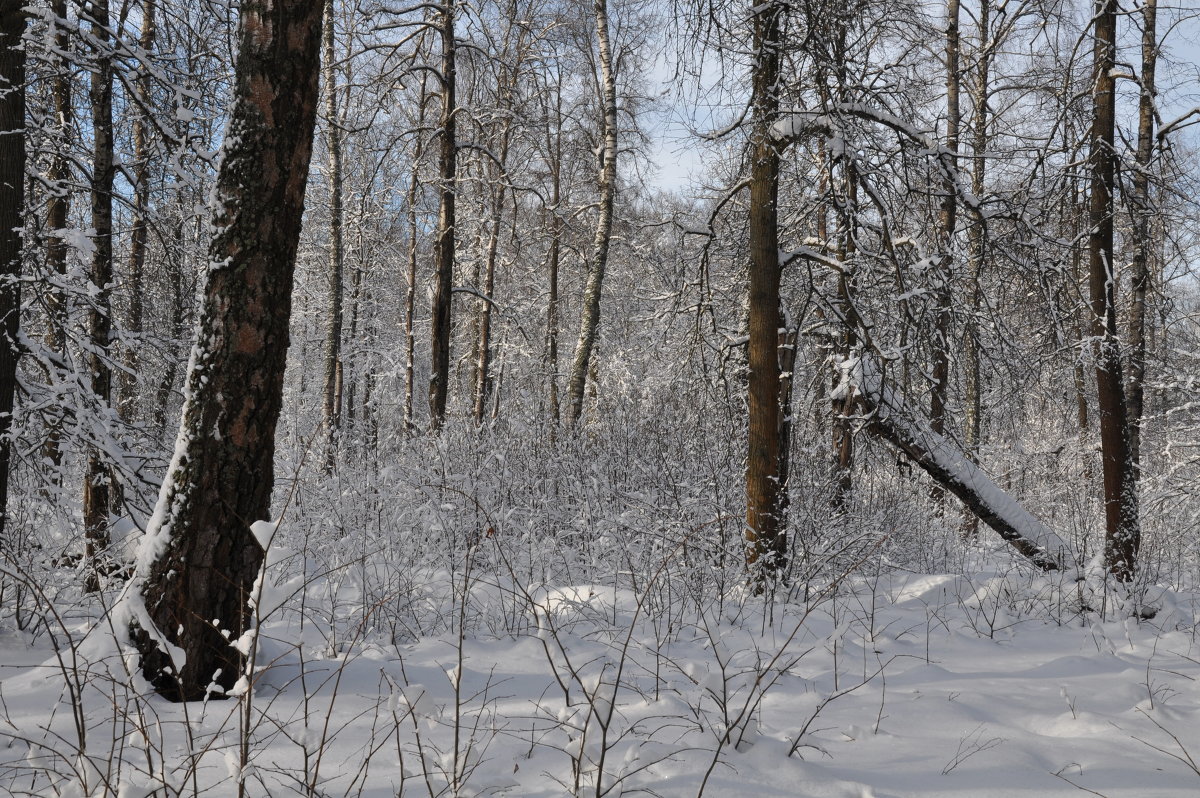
{"x":589,"y":322}
{"x":1123,"y":534}
{"x":199,"y":558}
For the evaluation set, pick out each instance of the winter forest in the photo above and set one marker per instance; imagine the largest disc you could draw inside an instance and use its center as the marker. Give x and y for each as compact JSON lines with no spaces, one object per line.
{"x":599,"y":398}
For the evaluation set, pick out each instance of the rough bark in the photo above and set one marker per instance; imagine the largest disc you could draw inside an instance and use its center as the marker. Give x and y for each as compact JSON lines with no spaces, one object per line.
{"x":589,"y":322}
{"x":12,"y":207}
{"x":439,"y":379}
{"x":1122,"y":531}
{"x":199,"y":558}
{"x":766,"y":527}
{"x":410,"y":338}
{"x":97,"y":494}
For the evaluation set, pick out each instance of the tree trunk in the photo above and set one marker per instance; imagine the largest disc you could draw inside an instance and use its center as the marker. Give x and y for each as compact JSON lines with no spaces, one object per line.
{"x":891,"y":419}
{"x":199,"y":559}
{"x":766,"y":527}
{"x":439,"y":379}
{"x":589,"y":322}
{"x":58,"y":210}
{"x":977,"y":249}
{"x":331,"y":406}
{"x":12,"y":222}
{"x":948,"y":219}
{"x":410,"y":339}
{"x":97,"y":475}
{"x":1123,"y":534}
{"x":1143,"y":213}
{"x":139,"y":227}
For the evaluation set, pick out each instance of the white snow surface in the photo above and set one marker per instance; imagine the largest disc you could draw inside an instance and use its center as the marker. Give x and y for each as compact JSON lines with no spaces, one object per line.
{"x":896,"y":686}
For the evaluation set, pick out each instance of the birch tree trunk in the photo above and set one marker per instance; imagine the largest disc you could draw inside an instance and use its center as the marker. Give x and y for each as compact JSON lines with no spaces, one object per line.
{"x":331,"y":406}
{"x":589,"y":323}
{"x":199,"y":558}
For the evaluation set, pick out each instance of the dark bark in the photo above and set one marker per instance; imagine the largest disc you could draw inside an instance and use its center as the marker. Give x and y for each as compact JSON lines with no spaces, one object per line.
{"x":97,"y":485}
{"x":439,"y":379}
{"x":12,"y":208}
{"x":199,"y":559}
{"x":58,"y":210}
{"x":766,"y":527}
{"x":1122,"y":535}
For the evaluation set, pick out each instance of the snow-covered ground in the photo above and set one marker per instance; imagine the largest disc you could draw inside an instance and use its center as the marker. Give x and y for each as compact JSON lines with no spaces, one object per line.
{"x":896,"y":685}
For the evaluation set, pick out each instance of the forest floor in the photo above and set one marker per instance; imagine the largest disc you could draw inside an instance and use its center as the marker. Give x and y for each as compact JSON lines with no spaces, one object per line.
{"x":896,"y":685}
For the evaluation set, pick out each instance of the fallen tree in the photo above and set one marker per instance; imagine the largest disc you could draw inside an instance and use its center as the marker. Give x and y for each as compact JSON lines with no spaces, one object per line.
{"x":890,"y":417}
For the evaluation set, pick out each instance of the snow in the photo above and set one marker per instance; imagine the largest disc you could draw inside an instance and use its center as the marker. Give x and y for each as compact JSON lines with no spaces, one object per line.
{"x":894,"y":686}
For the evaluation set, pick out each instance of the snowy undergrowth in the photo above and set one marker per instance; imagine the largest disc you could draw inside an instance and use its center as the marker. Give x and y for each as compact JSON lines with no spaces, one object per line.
{"x":382,"y":675}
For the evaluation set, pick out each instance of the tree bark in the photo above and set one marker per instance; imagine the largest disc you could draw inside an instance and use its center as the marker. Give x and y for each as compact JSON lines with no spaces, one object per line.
{"x":331,"y":406}
{"x":58,"y":210}
{"x":97,"y":494}
{"x":589,"y":322}
{"x":1123,"y":534}
{"x":766,"y":527}
{"x":139,"y":227}
{"x":199,"y":558}
{"x":439,"y":380}
{"x":948,"y":219}
{"x":1143,"y":214}
{"x":12,"y":209}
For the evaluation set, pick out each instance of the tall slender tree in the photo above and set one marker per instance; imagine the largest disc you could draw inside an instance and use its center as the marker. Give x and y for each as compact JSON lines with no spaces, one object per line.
{"x":1123,"y":533}
{"x":12,"y":210}
{"x":447,"y":233}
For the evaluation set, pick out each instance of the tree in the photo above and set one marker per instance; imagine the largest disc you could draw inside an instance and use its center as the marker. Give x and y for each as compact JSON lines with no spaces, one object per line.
{"x":199,"y":558}
{"x":766,"y":527}
{"x":447,"y":234}
{"x":1122,"y":535}
{"x":12,"y":209}
{"x":331,"y":407}
{"x":589,"y":320}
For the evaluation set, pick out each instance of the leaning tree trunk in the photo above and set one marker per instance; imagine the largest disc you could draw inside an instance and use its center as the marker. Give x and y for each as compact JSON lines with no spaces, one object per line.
{"x":589,"y":321}
{"x":97,"y":493}
{"x":12,"y":209}
{"x":439,"y":379}
{"x":199,"y":559}
{"x":1123,"y":534}
{"x":766,"y":527}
